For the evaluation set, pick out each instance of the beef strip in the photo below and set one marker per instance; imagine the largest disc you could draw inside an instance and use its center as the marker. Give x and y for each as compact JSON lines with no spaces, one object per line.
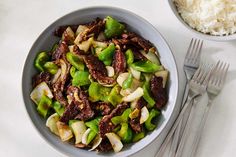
{"x":104,"y":146}
{"x":158,"y":92}
{"x":97,"y":69}
{"x":119,"y":62}
{"x":60,"y":51}
{"x":105,"y":125}
{"x":102,"y":108}
{"x":60,"y":30}
{"x":41,"y":77}
{"x":135,"y":123}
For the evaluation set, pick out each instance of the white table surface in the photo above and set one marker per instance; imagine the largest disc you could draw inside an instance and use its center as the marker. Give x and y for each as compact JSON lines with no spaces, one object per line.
{"x":21,"y":22}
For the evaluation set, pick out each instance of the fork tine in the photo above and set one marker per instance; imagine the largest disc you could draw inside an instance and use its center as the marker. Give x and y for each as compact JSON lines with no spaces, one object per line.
{"x":214,"y":72}
{"x":196,"y":74}
{"x":223,"y":74}
{"x":193,"y":50}
{"x":189,"y":49}
{"x":207,"y":78}
{"x":218,"y":73}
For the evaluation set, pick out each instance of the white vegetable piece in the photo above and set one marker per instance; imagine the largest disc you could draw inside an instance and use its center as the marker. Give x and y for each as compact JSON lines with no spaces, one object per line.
{"x":99,"y":44}
{"x":96,"y":142}
{"x":85,"y":136}
{"x":110,"y":71}
{"x":133,"y":96}
{"x":121,"y":78}
{"x":136,"y":74}
{"x":80,"y":29}
{"x":151,"y":56}
{"x":164,"y":75}
{"x":78,"y":129}
{"x":51,"y":123}
{"x":69,"y":33}
{"x":64,"y":131}
{"x":101,"y":36}
{"x":56,"y":76}
{"x":40,"y":90}
{"x":144,"y":115}
{"x":115,"y":141}
{"x":125,"y":92}
{"x":84,"y":45}
{"x":133,"y":104}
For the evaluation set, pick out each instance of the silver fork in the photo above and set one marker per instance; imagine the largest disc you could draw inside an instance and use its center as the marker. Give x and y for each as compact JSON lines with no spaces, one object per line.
{"x":215,"y":85}
{"x":191,"y":63}
{"x":197,"y":86}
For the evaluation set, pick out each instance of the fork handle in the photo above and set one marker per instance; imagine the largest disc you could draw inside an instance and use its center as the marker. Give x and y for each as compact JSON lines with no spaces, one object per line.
{"x":161,"y":151}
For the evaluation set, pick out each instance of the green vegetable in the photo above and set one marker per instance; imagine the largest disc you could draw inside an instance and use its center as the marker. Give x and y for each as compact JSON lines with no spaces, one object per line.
{"x":54,"y":47}
{"x":40,"y":60}
{"x":129,"y":56}
{"x":128,"y":82}
{"x":114,"y":97}
{"x":138,"y":136}
{"x":50,"y":67}
{"x":72,"y":121}
{"x":146,"y":94}
{"x":75,"y":61}
{"x":148,"y":123}
{"x":122,"y":118}
{"x":98,"y":92}
{"x":72,"y":71}
{"x":58,"y":108}
{"x":113,"y":27}
{"x":44,"y":105}
{"x":125,"y":133}
{"x":106,"y":55}
{"x":146,"y":66}
{"x":81,"y":78}
{"x":92,"y":134}
{"x":117,"y":129}
{"x":93,"y":124}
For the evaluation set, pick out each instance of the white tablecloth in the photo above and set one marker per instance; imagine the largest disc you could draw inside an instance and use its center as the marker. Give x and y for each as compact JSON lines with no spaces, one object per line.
{"x":21,"y":22}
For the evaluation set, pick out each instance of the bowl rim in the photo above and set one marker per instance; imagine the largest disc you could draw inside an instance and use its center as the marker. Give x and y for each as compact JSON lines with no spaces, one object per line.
{"x":176,"y":91}
{"x":198,"y":33}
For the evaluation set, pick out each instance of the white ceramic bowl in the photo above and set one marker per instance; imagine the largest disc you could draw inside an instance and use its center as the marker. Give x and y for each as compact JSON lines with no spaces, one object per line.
{"x":197,"y":33}
{"x":136,"y":24}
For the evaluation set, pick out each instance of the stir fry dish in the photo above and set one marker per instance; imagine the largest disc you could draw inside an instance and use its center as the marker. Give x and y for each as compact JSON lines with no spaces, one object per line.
{"x":100,"y":86}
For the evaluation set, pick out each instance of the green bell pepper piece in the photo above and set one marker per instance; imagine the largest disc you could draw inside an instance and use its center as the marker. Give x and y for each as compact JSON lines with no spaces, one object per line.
{"x":40,"y":60}
{"x":81,"y":78}
{"x":113,"y":27}
{"x":122,"y":118}
{"x":125,"y":133}
{"x":44,"y":105}
{"x":146,"y":95}
{"x":92,"y":134}
{"x":72,"y":71}
{"x":114,"y":97}
{"x":75,"y":61}
{"x":54,"y":47}
{"x":117,"y":129}
{"x":138,"y":136}
{"x":50,"y":67}
{"x":93,"y":124}
{"x":146,"y":66}
{"x":98,"y":92}
{"x":148,"y":123}
{"x":129,"y":56}
{"x":128,"y":82}
{"x":106,"y":55}
{"x":58,"y":108}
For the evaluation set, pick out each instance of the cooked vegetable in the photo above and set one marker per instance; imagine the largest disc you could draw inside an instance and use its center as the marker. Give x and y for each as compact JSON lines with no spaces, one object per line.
{"x":68,"y":35}
{"x":85,"y":45}
{"x":81,"y":78}
{"x":40,"y":90}
{"x":144,"y":115}
{"x":125,"y":133}
{"x":51,"y":123}
{"x":75,"y":61}
{"x":164,"y":75}
{"x":40,"y":60}
{"x":146,"y":95}
{"x":121,"y":78}
{"x":151,"y":56}
{"x":134,"y":113}
{"x":44,"y":105}
{"x":115,"y":141}
{"x":123,"y":118}
{"x":98,"y":92}
{"x":85,"y":136}
{"x":148,"y":123}
{"x":129,"y":56}
{"x":96,"y":142}
{"x":92,"y":134}
{"x":145,"y":66}
{"x":72,"y":71}
{"x":110,"y":71}
{"x":127,"y":83}
{"x":138,"y":136}
{"x":50,"y":67}
{"x":64,"y":131}
{"x":107,"y":54}
{"x":78,"y":128}
{"x":93,"y":124}
{"x":136,"y":74}
{"x":113,"y":27}
{"x":135,"y":95}
{"x":58,"y":108}
{"x":114,"y":97}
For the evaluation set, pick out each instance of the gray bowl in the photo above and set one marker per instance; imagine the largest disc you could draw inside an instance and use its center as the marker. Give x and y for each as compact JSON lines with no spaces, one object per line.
{"x":195,"y":32}
{"x":136,"y":24}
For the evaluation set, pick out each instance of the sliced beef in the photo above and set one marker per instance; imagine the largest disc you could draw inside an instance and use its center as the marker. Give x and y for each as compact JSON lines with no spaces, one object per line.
{"x":94,"y":28}
{"x":60,"y":30}
{"x":41,"y":77}
{"x":105,"y":125}
{"x":119,"y":62}
{"x":102,"y":108}
{"x":105,"y":146}
{"x":158,"y":92}
{"x":97,"y":69}
{"x":70,"y":112}
{"x":60,"y":51}
{"x":141,"y":103}
{"x":137,"y":54}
